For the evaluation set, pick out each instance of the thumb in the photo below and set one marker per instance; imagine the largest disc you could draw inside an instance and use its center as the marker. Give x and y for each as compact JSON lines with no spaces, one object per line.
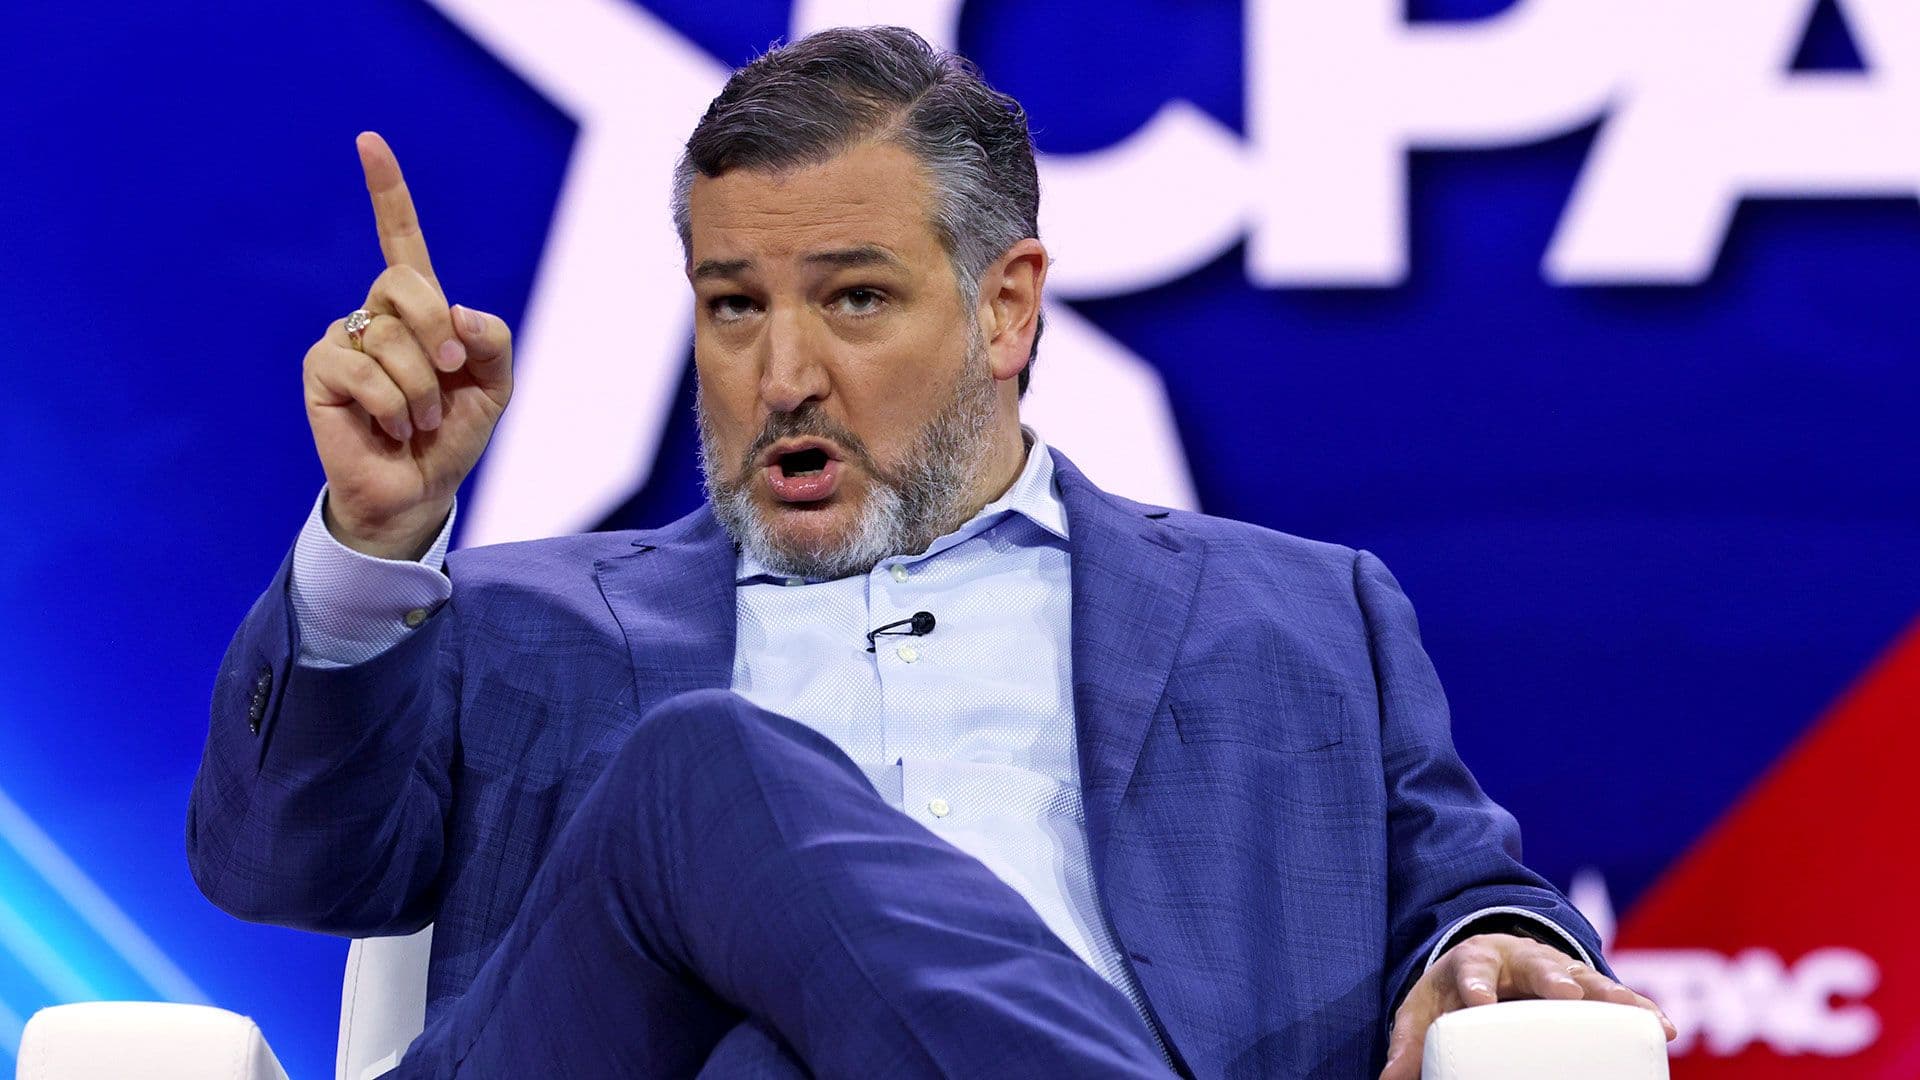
{"x":489,"y":344}
{"x":1409,"y":1036}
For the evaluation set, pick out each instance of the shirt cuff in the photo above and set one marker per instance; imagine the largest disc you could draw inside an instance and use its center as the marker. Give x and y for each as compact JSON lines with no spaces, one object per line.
{"x":1549,"y":932}
{"x":350,"y":606}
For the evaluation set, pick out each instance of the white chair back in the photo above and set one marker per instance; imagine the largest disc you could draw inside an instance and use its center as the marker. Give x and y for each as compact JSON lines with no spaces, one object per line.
{"x":383,"y":1003}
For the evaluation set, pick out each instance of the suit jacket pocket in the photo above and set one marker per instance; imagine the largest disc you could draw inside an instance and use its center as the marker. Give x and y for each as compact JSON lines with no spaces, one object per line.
{"x":1289,"y":720}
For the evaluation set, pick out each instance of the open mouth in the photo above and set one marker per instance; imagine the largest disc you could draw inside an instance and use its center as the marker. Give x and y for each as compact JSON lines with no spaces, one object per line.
{"x":803,"y":462}
{"x":802,"y":472}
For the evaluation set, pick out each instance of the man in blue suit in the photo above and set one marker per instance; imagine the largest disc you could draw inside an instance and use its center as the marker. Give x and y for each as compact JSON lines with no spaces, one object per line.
{"x":912,"y":752}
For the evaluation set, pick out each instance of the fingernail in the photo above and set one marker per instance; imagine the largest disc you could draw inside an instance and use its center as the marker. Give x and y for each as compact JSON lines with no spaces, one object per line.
{"x":432,"y":419}
{"x":452,"y":354}
{"x":405,"y":433}
{"x":1478,"y":987}
{"x":470,"y":321}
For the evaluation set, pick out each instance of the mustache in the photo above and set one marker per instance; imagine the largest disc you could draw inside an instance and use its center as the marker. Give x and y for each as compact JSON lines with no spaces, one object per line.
{"x":805,"y":423}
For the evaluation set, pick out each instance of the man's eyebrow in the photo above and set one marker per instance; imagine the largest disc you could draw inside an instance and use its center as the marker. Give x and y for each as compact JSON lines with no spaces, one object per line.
{"x":719,"y":268}
{"x":864,"y":255}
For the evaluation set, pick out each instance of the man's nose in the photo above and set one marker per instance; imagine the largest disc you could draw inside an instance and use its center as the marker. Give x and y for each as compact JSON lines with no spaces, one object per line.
{"x":793,"y":372}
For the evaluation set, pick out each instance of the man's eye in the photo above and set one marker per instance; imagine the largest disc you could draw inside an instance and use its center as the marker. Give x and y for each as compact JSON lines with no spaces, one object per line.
{"x":860,"y":301}
{"x":730,"y":308}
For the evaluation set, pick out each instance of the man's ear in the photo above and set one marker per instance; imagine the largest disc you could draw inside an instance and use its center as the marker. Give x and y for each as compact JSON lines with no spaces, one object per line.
{"x":1010,"y":298}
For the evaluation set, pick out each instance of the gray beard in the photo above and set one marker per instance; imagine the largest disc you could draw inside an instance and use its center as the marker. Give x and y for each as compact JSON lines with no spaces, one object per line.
{"x":906,"y":509}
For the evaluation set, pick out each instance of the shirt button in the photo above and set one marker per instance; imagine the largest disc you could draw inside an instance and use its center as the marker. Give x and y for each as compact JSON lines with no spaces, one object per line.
{"x":907,"y":653}
{"x":415,"y":617}
{"x":899,"y":572}
{"x":939,"y":808}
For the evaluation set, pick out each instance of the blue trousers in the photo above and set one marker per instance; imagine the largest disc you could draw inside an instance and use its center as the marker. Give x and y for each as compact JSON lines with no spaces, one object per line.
{"x":733,"y":899}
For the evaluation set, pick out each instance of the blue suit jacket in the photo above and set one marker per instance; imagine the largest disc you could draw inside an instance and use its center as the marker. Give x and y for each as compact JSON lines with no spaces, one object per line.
{"x":1279,"y":823}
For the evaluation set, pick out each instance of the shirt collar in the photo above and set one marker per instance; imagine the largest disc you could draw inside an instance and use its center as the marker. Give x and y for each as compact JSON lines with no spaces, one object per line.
{"x":1033,"y":495}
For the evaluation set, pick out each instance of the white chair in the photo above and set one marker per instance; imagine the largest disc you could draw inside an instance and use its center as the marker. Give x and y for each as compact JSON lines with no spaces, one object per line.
{"x":383,"y":1005}
{"x":1530,"y":1040}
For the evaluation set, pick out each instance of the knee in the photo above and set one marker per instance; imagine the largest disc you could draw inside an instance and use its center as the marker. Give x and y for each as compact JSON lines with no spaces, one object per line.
{"x":698,"y":729}
{"x":686,"y":727}
{"x":753,"y":1051}
{"x":713,"y":730}
{"x":696,"y":711}
{"x":678,"y":747}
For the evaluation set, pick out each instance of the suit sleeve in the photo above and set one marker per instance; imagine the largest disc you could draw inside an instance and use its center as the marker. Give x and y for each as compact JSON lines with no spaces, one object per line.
{"x":1453,"y":853}
{"x":322,"y":797}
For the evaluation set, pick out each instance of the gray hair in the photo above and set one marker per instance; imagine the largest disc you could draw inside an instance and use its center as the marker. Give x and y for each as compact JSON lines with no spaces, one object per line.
{"x":806,"y":102}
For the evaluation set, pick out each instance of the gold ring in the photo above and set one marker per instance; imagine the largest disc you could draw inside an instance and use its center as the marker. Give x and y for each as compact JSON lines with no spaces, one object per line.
{"x":357,"y":323}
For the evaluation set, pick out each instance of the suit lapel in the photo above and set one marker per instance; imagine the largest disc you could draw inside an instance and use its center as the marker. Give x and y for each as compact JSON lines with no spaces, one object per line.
{"x":1133,"y":582}
{"x":672,"y":595}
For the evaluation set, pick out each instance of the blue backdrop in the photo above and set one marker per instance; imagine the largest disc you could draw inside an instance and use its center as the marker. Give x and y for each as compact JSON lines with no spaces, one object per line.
{"x":1653,"y":531}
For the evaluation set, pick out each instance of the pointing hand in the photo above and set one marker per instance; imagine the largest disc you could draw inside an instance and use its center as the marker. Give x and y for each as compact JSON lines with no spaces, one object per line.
{"x":401,"y":415}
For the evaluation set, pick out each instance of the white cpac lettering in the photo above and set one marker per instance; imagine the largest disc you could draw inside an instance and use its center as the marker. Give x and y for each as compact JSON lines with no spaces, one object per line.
{"x":1724,"y":1005}
{"x":1711,"y":114}
{"x":1704,"y":111}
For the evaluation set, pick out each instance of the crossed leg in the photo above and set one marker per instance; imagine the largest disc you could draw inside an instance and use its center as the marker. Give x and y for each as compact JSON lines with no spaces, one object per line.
{"x":751,"y":1052}
{"x":732,"y":864}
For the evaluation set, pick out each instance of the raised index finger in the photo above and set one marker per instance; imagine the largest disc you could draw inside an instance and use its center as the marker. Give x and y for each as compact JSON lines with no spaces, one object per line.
{"x":400,"y":238}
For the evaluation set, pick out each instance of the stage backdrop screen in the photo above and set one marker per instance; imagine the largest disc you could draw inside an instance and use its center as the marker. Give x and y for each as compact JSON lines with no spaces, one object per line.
{"x":1594,"y":320}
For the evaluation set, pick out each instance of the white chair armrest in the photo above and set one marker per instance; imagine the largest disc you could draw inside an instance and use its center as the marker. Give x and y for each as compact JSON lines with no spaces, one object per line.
{"x":1525,"y":1040}
{"x":144,"y":1040}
